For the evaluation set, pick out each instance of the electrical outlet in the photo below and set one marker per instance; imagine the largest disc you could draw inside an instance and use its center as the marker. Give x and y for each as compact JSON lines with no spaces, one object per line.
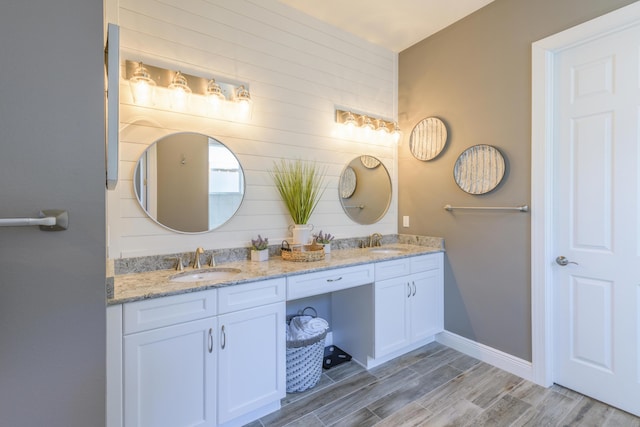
{"x":405,"y":221}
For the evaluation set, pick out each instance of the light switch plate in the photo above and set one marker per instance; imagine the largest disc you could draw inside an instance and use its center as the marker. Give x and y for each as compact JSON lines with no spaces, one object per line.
{"x":405,"y":221}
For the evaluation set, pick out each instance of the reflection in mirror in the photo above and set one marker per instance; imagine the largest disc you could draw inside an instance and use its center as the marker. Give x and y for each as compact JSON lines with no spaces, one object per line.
{"x":365,"y":190}
{"x":188,"y":182}
{"x":347,"y":182}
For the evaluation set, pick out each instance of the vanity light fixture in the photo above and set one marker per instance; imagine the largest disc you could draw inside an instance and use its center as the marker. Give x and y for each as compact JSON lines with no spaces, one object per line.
{"x":142,"y":85}
{"x":367,"y":126}
{"x":180,"y":91}
{"x":214,"y":94}
{"x":243,"y":98}
{"x":382,"y":131}
{"x":350,"y":120}
{"x":186,"y":92}
{"x":381,"y":127}
{"x":366,"y":123}
{"x":396,"y":134}
{"x":363,"y":126}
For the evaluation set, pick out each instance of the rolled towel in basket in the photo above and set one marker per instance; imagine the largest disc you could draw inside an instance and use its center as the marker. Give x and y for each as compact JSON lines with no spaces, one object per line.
{"x":305,"y":327}
{"x":317,"y":326}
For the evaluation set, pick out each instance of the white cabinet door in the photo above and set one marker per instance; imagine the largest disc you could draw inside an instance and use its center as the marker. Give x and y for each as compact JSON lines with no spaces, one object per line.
{"x":391,"y":315}
{"x":426,"y":304}
{"x":409,"y":308}
{"x":170,"y":376}
{"x":251,"y":360}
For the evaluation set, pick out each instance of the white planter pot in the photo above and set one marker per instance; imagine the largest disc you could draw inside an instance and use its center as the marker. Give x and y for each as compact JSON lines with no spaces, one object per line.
{"x":327,"y":248}
{"x":262,"y":255}
{"x":301,"y":233}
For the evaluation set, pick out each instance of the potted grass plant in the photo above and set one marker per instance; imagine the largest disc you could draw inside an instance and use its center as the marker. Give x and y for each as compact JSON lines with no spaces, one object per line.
{"x":300,"y":184}
{"x":260,"y":249}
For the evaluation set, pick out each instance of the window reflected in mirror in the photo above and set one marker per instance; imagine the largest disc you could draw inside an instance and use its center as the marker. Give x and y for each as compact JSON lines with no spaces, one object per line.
{"x":189,"y":183}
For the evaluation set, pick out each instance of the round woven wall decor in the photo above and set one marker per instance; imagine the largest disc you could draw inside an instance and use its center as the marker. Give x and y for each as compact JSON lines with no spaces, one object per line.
{"x":428,"y":139}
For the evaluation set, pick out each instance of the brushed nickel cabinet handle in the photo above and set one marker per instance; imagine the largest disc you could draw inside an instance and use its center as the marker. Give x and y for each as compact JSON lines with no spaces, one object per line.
{"x":223,"y":338}
{"x":210,"y":340}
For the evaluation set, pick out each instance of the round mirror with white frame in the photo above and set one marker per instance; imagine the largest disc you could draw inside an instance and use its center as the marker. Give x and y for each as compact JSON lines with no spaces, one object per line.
{"x":189,"y":182}
{"x":365,"y":190}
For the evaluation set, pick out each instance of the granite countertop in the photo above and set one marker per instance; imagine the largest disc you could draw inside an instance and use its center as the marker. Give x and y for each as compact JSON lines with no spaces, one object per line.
{"x":154,"y":284}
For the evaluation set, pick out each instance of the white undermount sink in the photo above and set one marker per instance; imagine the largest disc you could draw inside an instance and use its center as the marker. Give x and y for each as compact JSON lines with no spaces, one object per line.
{"x":202,"y":275}
{"x":387,"y":251}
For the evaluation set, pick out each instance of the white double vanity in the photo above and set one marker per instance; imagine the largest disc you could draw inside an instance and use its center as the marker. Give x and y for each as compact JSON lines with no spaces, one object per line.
{"x":213,"y":353}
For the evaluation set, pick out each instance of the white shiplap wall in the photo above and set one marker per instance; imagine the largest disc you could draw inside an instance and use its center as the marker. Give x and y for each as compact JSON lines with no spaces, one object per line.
{"x":299,"y":69}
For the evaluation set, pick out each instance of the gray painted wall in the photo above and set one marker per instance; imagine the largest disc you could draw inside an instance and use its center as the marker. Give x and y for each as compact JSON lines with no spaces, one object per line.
{"x":52,"y":285}
{"x":476,"y":76}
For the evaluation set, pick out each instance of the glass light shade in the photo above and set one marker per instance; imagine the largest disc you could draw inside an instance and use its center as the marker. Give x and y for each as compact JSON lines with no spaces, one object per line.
{"x":397,"y":133}
{"x":382,"y":127}
{"x":367,"y":123}
{"x":179,"y":91}
{"x":382,"y":131}
{"x":214,"y":94}
{"x":142,"y":86}
{"x":367,"y":127}
{"x":243,"y":98}
{"x":350,"y":122}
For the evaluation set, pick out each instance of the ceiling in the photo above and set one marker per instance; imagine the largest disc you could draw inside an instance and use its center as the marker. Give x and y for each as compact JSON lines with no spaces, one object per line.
{"x":393,"y":24}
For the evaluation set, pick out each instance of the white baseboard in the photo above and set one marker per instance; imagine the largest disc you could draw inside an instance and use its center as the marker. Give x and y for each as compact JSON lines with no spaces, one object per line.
{"x":487,"y":354}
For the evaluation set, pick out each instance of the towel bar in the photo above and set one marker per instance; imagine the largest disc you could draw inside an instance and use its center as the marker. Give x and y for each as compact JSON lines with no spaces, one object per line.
{"x":49,"y":220}
{"x":523,"y":208}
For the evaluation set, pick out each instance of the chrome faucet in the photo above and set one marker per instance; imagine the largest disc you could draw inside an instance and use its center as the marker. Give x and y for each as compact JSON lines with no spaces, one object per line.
{"x":375,"y":240}
{"x":196,"y":258}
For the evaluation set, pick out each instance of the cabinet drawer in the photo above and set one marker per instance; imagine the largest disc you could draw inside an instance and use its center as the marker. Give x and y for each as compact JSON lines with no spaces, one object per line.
{"x":239,"y":297}
{"x":156,"y":313}
{"x":322,"y":282}
{"x":426,"y":262}
{"x":394,"y":268}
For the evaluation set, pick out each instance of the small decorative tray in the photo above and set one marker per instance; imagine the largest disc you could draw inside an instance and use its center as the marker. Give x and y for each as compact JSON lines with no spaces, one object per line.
{"x":302,"y":253}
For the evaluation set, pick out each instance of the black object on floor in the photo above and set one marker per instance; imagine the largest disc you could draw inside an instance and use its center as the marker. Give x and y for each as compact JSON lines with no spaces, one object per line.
{"x":334,"y":356}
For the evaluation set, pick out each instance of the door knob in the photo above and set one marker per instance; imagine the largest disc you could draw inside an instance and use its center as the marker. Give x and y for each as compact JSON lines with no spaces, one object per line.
{"x":561,"y":260}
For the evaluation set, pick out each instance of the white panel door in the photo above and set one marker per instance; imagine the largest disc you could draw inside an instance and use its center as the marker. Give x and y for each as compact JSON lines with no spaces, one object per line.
{"x":596,"y":223}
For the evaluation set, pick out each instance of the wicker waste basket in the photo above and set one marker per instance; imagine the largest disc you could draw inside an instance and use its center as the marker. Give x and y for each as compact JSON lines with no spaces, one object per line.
{"x":304,"y":361}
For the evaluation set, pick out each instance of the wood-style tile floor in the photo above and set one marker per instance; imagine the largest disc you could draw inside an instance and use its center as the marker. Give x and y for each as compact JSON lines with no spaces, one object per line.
{"x":437,"y":386}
